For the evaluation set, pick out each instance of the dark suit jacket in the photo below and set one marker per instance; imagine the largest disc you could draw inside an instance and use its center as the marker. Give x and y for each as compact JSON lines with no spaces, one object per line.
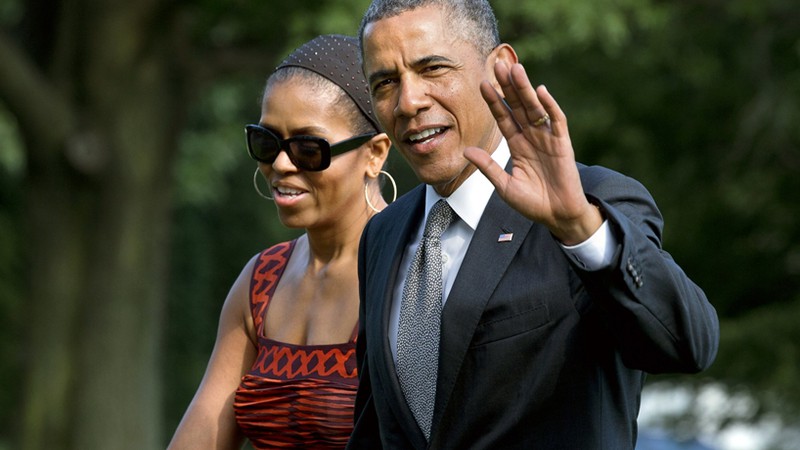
{"x":535,"y":353}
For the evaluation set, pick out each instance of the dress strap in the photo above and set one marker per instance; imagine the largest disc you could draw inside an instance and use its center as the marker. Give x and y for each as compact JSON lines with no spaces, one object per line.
{"x":266,"y":273}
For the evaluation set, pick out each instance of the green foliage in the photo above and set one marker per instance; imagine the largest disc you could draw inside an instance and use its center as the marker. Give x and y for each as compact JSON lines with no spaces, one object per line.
{"x":765,"y":364}
{"x":213,"y":144}
{"x":278,"y":26}
{"x":540,"y":30}
{"x":12,"y":272}
{"x":10,"y":11}
{"x":11,"y":155}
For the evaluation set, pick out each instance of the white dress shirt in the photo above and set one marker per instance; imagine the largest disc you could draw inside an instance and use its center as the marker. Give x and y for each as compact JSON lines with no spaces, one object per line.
{"x":469,"y":201}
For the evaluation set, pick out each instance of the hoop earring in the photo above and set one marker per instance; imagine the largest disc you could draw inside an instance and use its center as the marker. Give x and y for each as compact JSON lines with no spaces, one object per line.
{"x":394,"y":187}
{"x":255,"y":185}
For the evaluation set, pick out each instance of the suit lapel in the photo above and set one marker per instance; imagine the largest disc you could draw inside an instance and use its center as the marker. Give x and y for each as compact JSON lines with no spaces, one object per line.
{"x":484,"y":264}
{"x":402,"y":221}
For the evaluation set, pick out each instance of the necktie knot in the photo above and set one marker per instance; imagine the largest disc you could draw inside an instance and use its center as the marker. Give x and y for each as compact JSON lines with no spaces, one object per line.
{"x":439,"y":218}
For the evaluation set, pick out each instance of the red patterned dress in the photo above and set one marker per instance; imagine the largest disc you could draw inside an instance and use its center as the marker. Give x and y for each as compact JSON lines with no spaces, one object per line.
{"x":294,"y":396}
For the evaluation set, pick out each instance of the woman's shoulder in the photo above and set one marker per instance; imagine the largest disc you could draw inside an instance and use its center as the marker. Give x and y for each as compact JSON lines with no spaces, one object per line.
{"x":279,"y":248}
{"x":271,"y":258}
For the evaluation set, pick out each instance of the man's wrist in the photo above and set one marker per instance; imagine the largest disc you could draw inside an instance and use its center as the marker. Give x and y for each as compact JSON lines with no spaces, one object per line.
{"x":596,"y":252}
{"x":582,"y":229}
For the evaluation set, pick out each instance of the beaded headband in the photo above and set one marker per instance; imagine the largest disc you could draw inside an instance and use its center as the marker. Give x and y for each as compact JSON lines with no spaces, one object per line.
{"x":338,"y":59}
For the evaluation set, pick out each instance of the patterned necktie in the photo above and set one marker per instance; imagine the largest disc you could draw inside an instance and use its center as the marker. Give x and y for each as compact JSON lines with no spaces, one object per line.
{"x":420,"y":319}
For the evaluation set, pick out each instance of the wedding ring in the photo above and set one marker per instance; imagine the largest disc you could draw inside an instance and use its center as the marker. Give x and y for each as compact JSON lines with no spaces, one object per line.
{"x":542,"y":120}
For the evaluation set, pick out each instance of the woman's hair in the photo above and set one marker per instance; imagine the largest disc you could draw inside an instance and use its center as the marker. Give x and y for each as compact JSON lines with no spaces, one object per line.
{"x":319,"y":86}
{"x":474,"y":19}
{"x":331,"y":63}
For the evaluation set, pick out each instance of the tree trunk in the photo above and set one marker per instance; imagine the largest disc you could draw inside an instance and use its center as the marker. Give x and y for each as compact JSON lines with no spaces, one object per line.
{"x":99,"y":122}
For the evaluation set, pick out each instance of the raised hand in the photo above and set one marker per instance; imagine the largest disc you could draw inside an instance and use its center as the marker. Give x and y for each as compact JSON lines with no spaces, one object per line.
{"x":544,"y":184}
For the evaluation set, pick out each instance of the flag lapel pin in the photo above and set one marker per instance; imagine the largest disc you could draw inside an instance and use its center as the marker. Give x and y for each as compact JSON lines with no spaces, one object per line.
{"x":505,"y":237}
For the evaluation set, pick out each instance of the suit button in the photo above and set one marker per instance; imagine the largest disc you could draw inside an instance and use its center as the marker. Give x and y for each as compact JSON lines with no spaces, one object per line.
{"x":637,"y":278}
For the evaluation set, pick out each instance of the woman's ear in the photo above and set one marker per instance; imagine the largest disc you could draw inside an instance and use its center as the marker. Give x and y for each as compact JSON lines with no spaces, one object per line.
{"x":502,"y":53}
{"x":379,"y":147}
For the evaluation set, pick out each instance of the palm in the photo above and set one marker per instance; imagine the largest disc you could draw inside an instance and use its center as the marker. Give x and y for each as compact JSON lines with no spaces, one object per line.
{"x":544,"y":184}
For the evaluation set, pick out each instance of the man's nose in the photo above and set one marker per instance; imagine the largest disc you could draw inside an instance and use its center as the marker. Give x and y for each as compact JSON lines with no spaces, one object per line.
{"x":412,"y":97}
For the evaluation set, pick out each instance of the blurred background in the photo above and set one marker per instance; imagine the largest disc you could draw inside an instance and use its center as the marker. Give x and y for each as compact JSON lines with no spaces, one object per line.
{"x":127,"y":207}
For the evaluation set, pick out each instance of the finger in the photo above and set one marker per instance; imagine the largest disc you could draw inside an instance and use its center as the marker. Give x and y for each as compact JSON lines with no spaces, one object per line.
{"x":508,"y":126}
{"x":484,"y":162}
{"x":531,"y":109}
{"x":513,"y":95}
{"x":558,"y":120}
{"x":503,"y":76}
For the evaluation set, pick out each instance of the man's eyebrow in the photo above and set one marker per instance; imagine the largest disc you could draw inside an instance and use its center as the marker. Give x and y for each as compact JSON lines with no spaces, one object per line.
{"x":421,"y":62}
{"x":380,"y":75}
{"x":430,"y":59}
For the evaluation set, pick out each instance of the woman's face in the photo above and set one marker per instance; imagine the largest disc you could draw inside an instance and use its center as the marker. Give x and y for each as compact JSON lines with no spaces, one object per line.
{"x":312,"y":200}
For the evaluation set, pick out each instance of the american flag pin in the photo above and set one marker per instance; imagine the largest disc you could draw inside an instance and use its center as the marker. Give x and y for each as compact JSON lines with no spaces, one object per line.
{"x":505,"y":237}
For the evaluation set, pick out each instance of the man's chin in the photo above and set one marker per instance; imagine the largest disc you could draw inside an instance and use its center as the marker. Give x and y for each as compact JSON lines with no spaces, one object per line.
{"x":445,"y":180}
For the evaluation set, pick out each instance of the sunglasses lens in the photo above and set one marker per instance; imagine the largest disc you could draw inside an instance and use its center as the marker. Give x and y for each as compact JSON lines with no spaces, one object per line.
{"x":306,"y":153}
{"x":263,"y":145}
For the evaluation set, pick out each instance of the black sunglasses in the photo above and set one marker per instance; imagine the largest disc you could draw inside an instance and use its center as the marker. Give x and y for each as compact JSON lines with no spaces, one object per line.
{"x":306,"y":152}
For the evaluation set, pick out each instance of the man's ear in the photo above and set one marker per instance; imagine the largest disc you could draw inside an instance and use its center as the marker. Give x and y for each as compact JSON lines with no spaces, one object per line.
{"x":379,"y":147}
{"x":502,"y":53}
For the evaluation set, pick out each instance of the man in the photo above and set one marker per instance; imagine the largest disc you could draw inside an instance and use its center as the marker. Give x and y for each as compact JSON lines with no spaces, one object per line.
{"x":552,"y":296}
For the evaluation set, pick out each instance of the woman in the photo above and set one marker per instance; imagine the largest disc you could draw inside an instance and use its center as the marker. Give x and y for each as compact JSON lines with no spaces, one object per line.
{"x":283,"y":370}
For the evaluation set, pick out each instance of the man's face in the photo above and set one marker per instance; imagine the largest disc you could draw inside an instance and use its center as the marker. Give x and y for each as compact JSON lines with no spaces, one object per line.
{"x":424,"y":79}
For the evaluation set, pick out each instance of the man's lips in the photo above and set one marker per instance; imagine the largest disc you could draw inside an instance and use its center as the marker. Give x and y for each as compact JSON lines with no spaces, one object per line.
{"x":424,"y":135}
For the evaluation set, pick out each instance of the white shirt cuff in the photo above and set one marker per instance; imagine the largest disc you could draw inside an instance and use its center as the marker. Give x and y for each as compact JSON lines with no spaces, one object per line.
{"x":596,"y":252}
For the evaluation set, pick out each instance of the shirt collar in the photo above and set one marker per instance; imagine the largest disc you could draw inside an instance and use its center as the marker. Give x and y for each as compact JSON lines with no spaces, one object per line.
{"x":470,"y":199}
